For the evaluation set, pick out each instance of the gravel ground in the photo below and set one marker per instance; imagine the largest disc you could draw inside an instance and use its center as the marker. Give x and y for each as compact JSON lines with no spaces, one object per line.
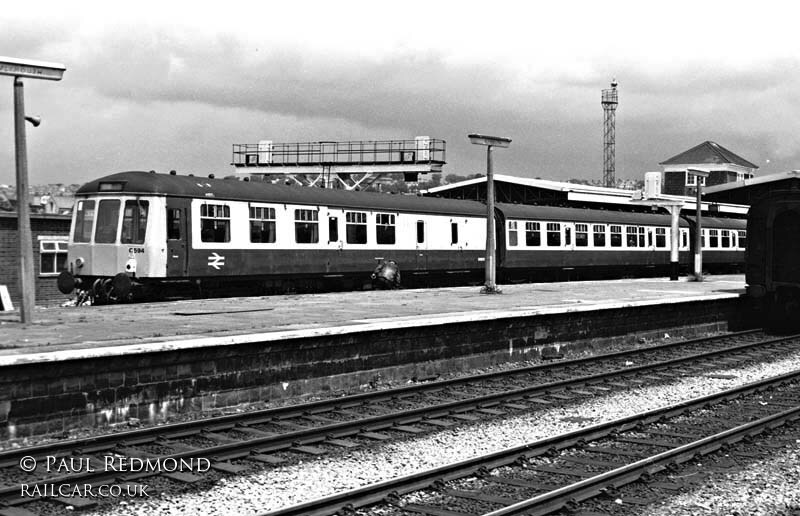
{"x":281,"y":486}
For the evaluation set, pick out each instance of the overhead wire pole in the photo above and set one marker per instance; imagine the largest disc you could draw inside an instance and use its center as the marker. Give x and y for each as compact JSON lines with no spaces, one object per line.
{"x":19,"y":68}
{"x":490,"y":286}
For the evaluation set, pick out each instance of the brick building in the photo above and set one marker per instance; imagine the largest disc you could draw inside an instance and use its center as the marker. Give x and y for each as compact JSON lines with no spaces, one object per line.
{"x":724,"y":167}
{"x":50,"y":236}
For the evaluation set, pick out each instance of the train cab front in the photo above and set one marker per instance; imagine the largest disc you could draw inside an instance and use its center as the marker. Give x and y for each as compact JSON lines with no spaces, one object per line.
{"x":110,"y":249}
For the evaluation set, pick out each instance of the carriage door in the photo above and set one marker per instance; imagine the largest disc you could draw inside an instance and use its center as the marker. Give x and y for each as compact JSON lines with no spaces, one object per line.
{"x":650,"y":241}
{"x":177,"y":237}
{"x":421,"y":245}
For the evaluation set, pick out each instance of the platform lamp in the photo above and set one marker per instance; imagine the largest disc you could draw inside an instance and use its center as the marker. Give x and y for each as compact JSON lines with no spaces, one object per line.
{"x":698,"y":236}
{"x":19,"y":69}
{"x":490,"y":287}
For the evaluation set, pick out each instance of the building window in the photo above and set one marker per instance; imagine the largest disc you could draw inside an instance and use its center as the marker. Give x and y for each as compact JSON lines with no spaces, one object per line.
{"x":52,"y":256}
{"x":661,"y":237}
{"x":215,"y":223}
{"x":134,"y":222}
{"x":616,"y":236}
{"x":384,"y":228}
{"x":725,"y":240}
{"x":453,"y":233}
{"x":553,"y":234}
{"x":356,"y":227}
{"x":691,"y":180}
{"x":581,"y":235}
{"x":713,"y":238}
{"x":262,"y":224}
{"x":306,"y":226}
{"x":420,"y":231}
{"x":742,"y":239}
{"x":107,"y":222}
{"x":533,"y":234}
{"x":512,"y":233}
{"x":599,"y":235}
{"x":84,"y":220}
{"x":631,"y":239}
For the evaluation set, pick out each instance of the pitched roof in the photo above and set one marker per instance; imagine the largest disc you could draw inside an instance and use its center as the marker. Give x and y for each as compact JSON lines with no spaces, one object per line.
{"x":708,"y":152}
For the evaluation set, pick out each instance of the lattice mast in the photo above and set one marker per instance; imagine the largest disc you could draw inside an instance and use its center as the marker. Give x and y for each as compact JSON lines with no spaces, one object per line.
{"x":609,"y":101}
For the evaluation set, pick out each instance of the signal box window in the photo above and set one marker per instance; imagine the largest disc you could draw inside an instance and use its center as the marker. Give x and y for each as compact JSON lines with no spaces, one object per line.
{"x":581,"y":235}
{"x":356,"y":227}
{"x":52,"y":256}
{"x":533,"y":234}
{"x":107,"y":221}
{"x":306,"y":226}
{"x":661,"y":237}
{"x":453,"y":233}
{"x":384,"y":228}
{"x":599,"y":235}
{"x":742,"y":239}
{"x":553,"y":234}
{"x":215,"y":223}
{"x":134,"y":222}
{"x":512,"y":233}
{"x":616,"y":236}
{"x":420,"y":231}
{"x":333,"y":229}
{"x":173,"y":224}
{"x":262,"y":224}
{"x":84,"y":219}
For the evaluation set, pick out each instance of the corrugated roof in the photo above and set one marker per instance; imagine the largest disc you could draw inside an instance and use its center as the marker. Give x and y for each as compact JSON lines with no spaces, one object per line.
{"x":546,"y":184}
{"x":708,"y":152}
{"x":150,"y":183}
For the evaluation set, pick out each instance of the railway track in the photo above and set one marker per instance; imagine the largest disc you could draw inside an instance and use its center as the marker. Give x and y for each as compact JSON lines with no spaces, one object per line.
{"x":269,"y":436}
{"x":558,"y":473}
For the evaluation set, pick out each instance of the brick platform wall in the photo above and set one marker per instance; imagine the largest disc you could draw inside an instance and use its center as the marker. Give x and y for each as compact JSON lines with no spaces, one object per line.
{"x":47,"y":293}
{"x":56,"y":397}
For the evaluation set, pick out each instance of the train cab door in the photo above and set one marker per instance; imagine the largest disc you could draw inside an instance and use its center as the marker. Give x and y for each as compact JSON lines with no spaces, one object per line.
{"x":421,"y":235}
{"x":177,"y":237}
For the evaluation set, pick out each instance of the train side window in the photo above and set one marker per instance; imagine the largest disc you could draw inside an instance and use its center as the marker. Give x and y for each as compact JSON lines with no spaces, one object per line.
{"x":616,"y":236}
{"x":333,"y":229}
{"x":713,"y":238}
{"x":306,"y":226}
{"x":742,"y":239}
{"x":631,"y":236}
{"x":599,"y":235}
{"x":385,"y":228}
{"x":453,"y":233}
{"x":641,"y":237}
{"x":582,"y":235}
{"x":107,"y":221}
{"x":661,"y":237}
{"x":533,"y":234}
{"x":725,"y":240}
{"x":553,"y":234}
{"x":262,"y":224}
{"x":356,"y":227}
{"x":420,"y":231}
{"x":84,"y":219}
{"x":134,"y":222}
{"x":215,"y":223}
{"x":173,"y":224}
{"x":512,"y":233}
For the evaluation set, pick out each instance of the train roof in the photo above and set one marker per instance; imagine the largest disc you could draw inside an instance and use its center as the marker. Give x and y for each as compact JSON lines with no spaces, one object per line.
{"x":151,"y":183}
{"x":532,"y":212}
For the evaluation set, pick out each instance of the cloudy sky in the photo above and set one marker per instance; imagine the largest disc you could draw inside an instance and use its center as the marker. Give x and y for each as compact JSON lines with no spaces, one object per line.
{"x":170,"y":85}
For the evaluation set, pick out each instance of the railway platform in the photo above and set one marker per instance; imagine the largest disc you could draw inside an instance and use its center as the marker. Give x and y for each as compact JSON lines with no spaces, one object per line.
{"x":88,"y":366}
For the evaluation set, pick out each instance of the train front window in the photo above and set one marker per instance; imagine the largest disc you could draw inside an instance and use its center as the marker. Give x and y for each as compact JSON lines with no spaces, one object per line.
{"x":84,"y":219}
{"x":306,"y":226}
{"x":134,"y":222}
{"x":356,"y":227}
{"x":107,"y":221}
{"x":215,"y":223}
{"x":384,"y":229}
{"x":262,"y":224}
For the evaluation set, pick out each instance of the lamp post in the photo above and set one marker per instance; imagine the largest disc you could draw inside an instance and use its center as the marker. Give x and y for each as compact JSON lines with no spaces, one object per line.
{"x":19,"y":68}
{"x":698,"y":236}
{"x":490,"y":286}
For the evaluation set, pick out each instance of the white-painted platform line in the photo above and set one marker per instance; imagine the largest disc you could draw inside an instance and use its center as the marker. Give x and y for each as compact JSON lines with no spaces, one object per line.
{"x":691,"y":292}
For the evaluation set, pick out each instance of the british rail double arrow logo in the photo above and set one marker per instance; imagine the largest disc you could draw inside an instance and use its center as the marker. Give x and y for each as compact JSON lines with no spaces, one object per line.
{"x":216,"y":261}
